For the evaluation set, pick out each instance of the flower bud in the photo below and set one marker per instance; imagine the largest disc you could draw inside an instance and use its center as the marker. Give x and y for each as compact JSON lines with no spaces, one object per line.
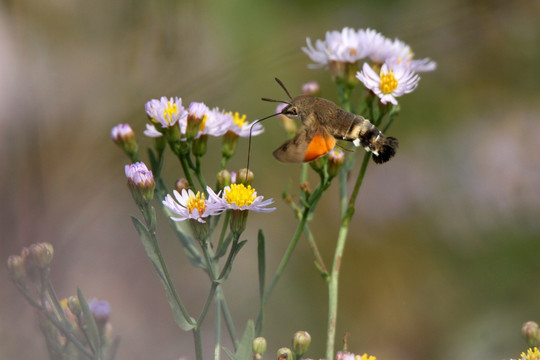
{"x":74,"y":305}
{"x":284,"y":354}
{"x":101,"y":311}
{"x":181,"y":184}
{"x":41,"y":255}
{"x":300,"y":343}
{"x":244,"y":176}
{"x":228,"y":146}
{"x":311,"y":88}
{"x":140,"y":182}
{"x":259,"y":346}
{"x":531,"y":333}
{"x":17,"y":271}
{"x":305,"y":187}
{"x":123,"y":136}
{"x":336,"y":157}
{"x":223,"y":179}
{"x":199,"y":145}
{"x":318,"y":164}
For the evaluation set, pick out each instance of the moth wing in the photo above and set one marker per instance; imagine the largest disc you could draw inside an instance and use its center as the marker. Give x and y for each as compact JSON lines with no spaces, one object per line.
{"x":309,"y":143}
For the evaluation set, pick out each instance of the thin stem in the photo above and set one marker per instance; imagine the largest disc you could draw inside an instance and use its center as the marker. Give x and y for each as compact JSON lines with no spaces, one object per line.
{"x":319,"y":262}
{"x":333,"y":284}
{"x":217,"y":346}
{"x":198,"y":343}
{"x":185,"y":168}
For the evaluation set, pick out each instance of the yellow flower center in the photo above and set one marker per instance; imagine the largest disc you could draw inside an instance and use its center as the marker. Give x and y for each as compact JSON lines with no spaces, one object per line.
{"x":532,"y":354}
{"x":203,"y":122}
{"x":170,"y":111}
{"x":388,"y":82}
{"x":240,"y":195}
{"x":238,"y":120}
{"x":196,"y":202}
{"x":365,"y":357}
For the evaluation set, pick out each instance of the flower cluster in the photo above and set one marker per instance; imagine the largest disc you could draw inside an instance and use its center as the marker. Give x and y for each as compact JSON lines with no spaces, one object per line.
{"x":197,"y":120}
{"x":391,"y":71}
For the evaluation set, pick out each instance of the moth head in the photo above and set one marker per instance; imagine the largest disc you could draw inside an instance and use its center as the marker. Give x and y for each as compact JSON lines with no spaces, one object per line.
{"x":299,"y":108}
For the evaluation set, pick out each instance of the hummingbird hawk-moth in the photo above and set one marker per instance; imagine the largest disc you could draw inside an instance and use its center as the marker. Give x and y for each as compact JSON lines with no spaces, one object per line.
{"x":323,"y":122}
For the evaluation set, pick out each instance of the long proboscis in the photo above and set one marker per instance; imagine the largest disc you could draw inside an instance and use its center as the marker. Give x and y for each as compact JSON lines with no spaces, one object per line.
{"x":249,"y":140}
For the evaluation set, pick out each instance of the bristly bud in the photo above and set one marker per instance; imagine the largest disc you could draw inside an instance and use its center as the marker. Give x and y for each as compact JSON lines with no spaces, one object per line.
{"x":101,"y":311}
{"x":140,"y":182}
{"x":198,"y":146}
{"x":285,"y":354}
{"x":259,"y":347}
{"x":305,"y":187}
{"x":181,"y":184}
{"x":74,"y":305}
{"x":318,"y":164}
{"x":311,"y":88}
{"x":228,"y":146}
{"x":223,"y":179}
{"x":123,"y":136}
{"x":336,"y":157}
{"x":17,"y":271}
{"x":300,"y":343}
{"x":244,"y":176}
{"x":531,"y":333}
{"x":41,"y":255}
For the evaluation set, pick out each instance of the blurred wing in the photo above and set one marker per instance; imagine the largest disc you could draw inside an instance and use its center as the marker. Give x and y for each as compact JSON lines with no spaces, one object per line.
{"x":309,"y":143}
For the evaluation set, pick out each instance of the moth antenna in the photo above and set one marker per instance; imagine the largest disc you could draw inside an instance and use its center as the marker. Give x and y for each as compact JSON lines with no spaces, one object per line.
{"x":278,"y":101}
{"x":249,"y":140}
{"x":283,"y":87}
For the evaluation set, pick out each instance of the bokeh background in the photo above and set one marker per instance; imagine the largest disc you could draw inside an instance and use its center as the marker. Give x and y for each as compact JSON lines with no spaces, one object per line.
{"x":442,"y":261}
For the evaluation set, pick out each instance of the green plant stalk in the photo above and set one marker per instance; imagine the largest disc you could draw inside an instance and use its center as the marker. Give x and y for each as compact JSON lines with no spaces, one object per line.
{"x":168,"y":279}
{"x":228,"y":318}
{"x":217,"y":346}
{"x":333,"y":284}
{"x":185,"y":168}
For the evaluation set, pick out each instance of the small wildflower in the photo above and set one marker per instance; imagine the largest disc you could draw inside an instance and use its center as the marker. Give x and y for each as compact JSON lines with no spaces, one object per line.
{"x":141,"y":182}
{"x":217,"y":122}
{"x":391,"y":82}
{"x":242,"y":128}
{"x":189,"y":205}
{"x":167,"y":112}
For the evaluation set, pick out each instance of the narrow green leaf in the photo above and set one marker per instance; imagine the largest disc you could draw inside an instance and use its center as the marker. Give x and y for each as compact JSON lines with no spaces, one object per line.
{"x":146,"y":239}
{"x":229,"y":353}
{"x":89,"y":326}
{"x":222,"y":249}
{"x":245,"y":347}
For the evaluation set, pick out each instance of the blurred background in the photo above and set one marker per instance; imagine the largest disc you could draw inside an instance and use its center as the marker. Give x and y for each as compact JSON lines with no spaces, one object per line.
{"x":442,"y":260}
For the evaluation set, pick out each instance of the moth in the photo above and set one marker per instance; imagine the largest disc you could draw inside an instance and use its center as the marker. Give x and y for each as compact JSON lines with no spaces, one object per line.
{"x":323,"y":123}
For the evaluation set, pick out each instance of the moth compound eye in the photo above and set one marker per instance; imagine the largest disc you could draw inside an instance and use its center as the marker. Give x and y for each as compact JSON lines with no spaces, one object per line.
{"x":292,"y":111}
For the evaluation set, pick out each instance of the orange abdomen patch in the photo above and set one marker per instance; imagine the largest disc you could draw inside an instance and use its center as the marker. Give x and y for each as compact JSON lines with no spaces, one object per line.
{"x":319,"y":146}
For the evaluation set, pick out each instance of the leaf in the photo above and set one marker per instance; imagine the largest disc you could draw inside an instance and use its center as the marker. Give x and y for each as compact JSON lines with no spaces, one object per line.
{"x":89,"y":326}
{"x":146,"y":239}
{"x":235,"y":248}
{"x":222,"y":249}
{"x":245,"y":347}
{"x":229,"y":353}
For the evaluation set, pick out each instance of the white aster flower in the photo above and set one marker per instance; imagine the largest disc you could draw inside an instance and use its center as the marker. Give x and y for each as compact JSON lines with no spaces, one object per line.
{"x":217,"y":122}
{"x":344,"y":46}
{"x":121,"y":132}
{"x":151,"y":131}
{"x":240,"y":197}
{"x":241,"y":127}
{"x":189,"y":205}
{"x":138,"y":173}
{"x":167,"y":112}
{"x":391,"y":82}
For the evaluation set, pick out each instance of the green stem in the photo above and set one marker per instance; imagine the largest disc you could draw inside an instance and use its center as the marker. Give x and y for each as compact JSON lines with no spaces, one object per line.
{"x":333,"y":284}
{"x":198,"y":343}
{"x":185,"y":168}
{"x":319,"y":262}
{"x":217,"y":346}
